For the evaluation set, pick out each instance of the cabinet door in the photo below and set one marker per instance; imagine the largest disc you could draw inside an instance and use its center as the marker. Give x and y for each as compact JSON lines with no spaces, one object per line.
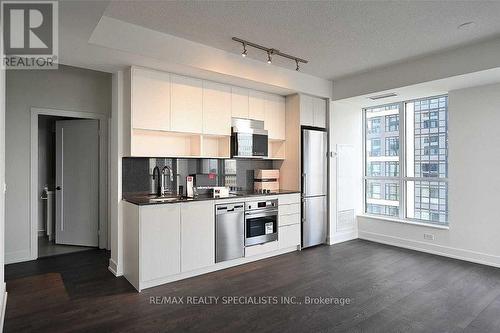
{"x":306,"y":110}
{"x":197,"y":235}
{"x":281,"y":118}
{"x":239,"y":102}
{"x":270,"y":120}
{"x":319,"y":112}
{"x":260,"y":249}
{"x":160,"y":241}
{"x":256,"y":105}
{"x":216,"y":108}
{"x":150,"y":100}
{"x":289,"y":236}
{"x":187,"y":108}
{"x":274,"y":120}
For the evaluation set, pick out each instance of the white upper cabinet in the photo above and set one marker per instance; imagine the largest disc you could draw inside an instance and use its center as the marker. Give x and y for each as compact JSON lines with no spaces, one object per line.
{"x":312,"y":111}
{"x":169,"y":111}
{"x":150,"y":99}
{"x":216,"y":108}
{"x":306,"y":110}
{"x":197,"y":235}
{"x":319,"y":112}
{"x":275,"y":121}
{"x":186,"y":104}
{"x":239,"y":102}
{"x":256,"y":105}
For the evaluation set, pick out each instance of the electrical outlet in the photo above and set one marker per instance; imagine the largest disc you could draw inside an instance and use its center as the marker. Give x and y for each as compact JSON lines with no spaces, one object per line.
{"x":429,"y":236}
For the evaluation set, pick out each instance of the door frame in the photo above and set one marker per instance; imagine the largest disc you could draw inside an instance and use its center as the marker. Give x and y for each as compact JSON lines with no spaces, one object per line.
{"x":103,"y":172}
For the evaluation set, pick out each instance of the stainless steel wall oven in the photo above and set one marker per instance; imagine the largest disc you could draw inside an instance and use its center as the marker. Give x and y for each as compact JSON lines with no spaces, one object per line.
{"x":261,"y":222}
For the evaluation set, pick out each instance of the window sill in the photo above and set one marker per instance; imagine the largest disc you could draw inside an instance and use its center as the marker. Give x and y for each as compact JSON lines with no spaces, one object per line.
{"x":402,"y":221}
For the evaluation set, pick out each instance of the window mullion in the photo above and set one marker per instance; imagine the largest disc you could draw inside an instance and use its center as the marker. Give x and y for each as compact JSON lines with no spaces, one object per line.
{"x":402,"y":160}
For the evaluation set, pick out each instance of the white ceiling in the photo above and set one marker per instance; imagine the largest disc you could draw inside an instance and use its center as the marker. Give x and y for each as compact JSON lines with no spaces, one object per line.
{"x":426,"y":89}
{"x":339,"y":38}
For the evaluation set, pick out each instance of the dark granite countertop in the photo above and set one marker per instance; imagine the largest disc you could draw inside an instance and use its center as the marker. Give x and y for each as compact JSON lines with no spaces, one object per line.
{"x":142,"y":199}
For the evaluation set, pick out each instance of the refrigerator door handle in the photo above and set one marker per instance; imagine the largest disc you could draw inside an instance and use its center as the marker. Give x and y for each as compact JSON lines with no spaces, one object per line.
{"x":303,"y":210}
{"x":304,"y":188}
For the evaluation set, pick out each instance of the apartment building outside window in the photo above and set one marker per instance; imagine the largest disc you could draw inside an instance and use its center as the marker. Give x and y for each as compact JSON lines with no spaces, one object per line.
{"x":374,"y":126}
{"x":407,"y":177}
{"x":392,"y":146}
{"x":392,"y":123}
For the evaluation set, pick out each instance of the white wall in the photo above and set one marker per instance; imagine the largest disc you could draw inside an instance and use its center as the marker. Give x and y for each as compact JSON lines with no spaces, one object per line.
{"x":117,"y":133}
{"x":67,"y":88}
{"x":474,"y":185}
{"x":345,"y":129}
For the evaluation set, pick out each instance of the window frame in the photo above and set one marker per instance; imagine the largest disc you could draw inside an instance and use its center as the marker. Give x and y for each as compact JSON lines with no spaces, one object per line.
{"x":402,"y":178}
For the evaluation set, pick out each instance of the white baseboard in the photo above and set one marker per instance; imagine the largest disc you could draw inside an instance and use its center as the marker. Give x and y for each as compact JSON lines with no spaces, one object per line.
{"x":3,"y":297}
{"x":441,"y":250}
{"x":113,"y":268}
{"x":213,"y":268}
{"x":343,"y":237}
{"x":17,"y":256}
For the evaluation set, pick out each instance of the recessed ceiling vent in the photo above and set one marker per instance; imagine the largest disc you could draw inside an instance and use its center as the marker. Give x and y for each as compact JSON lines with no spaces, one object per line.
{"x":374,"y":98}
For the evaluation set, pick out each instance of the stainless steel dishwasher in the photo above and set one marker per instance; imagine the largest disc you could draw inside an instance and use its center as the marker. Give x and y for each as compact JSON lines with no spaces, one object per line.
{"x":229,"y":231}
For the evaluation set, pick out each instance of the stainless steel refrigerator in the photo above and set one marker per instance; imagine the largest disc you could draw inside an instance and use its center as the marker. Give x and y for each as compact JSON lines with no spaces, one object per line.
{"x":314,"y":187}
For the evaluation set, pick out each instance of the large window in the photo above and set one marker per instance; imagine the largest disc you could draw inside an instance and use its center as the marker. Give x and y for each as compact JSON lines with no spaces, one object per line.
{"x":406,"y":171}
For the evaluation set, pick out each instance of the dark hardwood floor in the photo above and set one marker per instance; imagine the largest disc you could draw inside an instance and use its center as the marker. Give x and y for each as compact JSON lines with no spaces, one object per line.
{"x":390,"y":289}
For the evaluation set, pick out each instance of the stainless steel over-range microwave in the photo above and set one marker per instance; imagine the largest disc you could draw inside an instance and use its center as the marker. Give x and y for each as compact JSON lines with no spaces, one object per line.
{"x":248,"y":138}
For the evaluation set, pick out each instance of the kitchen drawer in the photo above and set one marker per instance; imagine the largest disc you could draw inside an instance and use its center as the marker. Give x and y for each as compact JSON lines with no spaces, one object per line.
{"x":288,"y":219}
{"x":289,"y":209}
{"x":286,"y":199}
{"x":288,"y":236}
{"x":261,"y":249}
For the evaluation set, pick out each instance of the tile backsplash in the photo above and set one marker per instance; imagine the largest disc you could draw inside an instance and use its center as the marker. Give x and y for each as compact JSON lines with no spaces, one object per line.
{"x":137,"y":172}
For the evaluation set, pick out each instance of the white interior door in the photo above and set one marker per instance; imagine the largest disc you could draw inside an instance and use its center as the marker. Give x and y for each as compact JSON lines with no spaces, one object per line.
{"x":77,"y":179}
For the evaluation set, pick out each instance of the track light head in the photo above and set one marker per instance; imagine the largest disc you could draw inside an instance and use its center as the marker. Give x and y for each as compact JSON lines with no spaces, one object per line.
{"x":244,"y":53}
{"x":269,"y":59}
{"x":297,"y":65}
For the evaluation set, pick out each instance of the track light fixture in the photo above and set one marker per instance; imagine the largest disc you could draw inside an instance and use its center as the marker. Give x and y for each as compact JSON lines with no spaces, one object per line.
{"x":244,"y":53}
{"x":270,"y":52}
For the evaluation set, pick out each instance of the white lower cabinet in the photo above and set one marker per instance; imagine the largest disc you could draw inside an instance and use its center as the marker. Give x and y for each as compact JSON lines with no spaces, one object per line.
{"x":289,"y":219}
{"x":197,"y":235}
{"x":169,"y":242}
{"x":160,"y":241}
{"x":288,"y":236}
{"x":260,"y":249}
{"x":289,"y":209}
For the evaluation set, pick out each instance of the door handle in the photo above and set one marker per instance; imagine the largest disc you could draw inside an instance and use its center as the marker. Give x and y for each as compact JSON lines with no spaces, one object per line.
{"x":58,"y":188}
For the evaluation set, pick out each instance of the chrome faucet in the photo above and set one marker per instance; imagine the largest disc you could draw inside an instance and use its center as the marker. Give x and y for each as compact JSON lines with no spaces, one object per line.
{"x":159,"y":183}
{"x":170,"y":173}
